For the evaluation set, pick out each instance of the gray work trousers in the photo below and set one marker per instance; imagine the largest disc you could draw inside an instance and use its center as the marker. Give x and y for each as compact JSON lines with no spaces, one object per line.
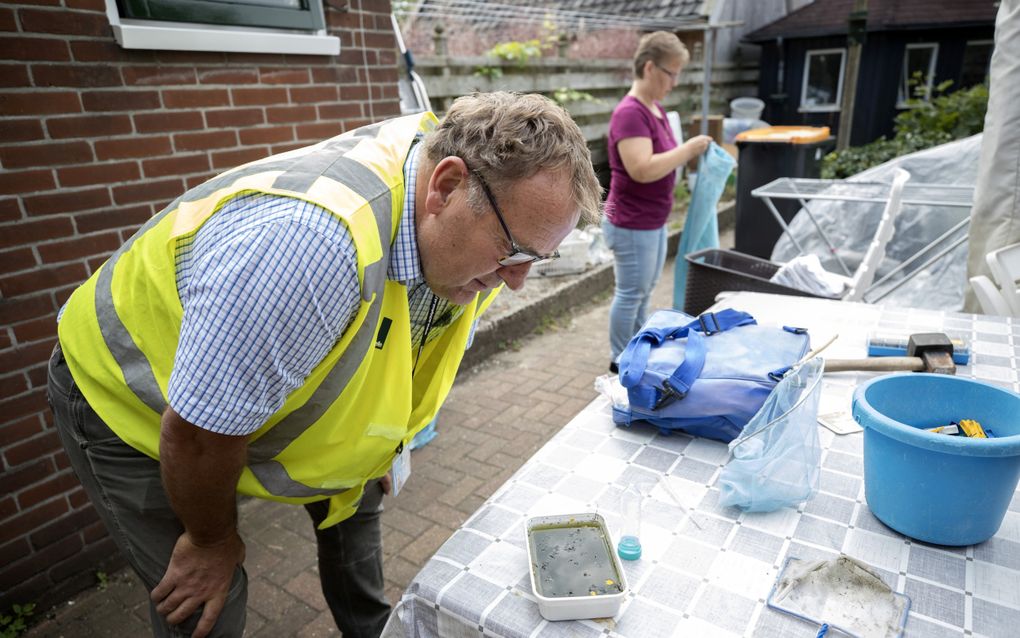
{"x":126,"y":489}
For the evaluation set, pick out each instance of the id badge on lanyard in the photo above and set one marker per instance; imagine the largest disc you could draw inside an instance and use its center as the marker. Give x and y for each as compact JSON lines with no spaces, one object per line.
{"x":401,"y":470}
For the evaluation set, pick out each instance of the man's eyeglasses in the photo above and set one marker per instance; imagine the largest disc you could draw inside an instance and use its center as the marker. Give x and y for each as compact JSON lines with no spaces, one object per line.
{"x":672,"y":76}
{"x":517,"y":254}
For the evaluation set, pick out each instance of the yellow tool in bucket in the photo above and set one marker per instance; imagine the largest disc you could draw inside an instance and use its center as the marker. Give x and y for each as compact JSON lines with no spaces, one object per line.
{"x":972,"y":429}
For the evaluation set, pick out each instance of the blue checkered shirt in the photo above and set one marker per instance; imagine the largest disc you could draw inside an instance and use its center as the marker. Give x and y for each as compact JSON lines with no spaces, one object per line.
{"x":268,"y":285}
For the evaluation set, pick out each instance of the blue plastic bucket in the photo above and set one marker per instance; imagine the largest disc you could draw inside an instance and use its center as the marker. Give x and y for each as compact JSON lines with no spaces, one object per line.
{"x":941,"y":489}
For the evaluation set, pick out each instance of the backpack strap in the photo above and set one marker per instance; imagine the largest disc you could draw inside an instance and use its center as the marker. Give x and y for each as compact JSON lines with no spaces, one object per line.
{"x":634,"y":359}
{"x":713,"y":322}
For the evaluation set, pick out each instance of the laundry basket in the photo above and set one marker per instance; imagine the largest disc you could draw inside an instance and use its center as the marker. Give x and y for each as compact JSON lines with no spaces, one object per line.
{"x":715,"y":270}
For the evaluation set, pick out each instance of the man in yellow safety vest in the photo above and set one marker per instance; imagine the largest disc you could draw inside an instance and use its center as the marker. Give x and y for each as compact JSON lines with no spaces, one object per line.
{"x":285,"y":329}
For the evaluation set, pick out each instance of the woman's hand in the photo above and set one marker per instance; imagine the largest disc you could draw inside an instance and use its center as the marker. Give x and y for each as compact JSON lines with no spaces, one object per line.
{"x":698,"y":144}
{"x":644,"y":166}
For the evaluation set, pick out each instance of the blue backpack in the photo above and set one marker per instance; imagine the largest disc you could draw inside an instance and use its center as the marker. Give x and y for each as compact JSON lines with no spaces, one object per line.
{"x":705,"y":376}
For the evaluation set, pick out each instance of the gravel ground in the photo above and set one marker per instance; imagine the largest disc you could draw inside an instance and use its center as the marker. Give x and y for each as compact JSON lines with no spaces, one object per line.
{"x":540,"y":286}
{"x":536,"y":287}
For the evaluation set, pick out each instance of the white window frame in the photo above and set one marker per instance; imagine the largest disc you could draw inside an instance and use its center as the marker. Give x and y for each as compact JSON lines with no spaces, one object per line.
{"x":824,"y":108}
{"x":189,"y":36}
{"x":906,"y":103}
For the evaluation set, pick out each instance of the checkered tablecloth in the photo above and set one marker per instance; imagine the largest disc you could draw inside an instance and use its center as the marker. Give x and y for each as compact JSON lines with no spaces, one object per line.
{"x":713,"y":581}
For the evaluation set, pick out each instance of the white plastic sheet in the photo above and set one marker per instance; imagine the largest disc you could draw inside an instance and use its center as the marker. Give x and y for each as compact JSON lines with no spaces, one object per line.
{"x":851,"y":226}
{"x":806,"y":273}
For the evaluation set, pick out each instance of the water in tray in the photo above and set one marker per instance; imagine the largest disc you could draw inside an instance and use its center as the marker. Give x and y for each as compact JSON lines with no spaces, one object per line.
{"x":573,"y":560}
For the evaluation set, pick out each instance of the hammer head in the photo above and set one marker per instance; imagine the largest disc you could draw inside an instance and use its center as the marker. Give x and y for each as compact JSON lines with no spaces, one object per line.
{"x":935,"y":349}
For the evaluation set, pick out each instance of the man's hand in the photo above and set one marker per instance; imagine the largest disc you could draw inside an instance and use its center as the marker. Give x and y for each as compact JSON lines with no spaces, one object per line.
{"x":198,"y":575}
{"x":386,"y":483}
{"x":200,"y":473}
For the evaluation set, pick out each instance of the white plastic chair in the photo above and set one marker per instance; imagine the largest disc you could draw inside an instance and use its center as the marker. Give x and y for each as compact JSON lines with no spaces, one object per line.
{"x":865,"y":274}
{"x":991,"y":300}
{"x":1004,"y":264}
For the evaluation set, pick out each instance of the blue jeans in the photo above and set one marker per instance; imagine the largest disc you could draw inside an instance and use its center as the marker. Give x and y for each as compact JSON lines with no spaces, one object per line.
{"x":640,"y":255}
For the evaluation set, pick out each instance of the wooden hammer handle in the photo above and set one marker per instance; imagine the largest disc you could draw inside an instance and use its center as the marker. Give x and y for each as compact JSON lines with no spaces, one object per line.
{"x":876,"y":364}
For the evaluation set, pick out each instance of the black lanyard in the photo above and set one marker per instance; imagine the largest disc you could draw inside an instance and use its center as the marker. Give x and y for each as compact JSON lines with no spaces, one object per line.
{"x":428,"y":327}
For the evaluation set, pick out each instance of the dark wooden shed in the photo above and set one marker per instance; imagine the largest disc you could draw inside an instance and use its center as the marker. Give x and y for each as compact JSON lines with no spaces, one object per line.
{"x":804,"y":57}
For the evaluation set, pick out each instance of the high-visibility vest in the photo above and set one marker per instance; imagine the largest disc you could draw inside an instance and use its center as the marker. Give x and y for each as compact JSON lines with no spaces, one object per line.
{"x":359,"y":406}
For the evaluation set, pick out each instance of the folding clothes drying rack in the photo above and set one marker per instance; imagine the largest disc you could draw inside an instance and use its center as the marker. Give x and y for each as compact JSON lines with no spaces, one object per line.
{"x":806,"y":190}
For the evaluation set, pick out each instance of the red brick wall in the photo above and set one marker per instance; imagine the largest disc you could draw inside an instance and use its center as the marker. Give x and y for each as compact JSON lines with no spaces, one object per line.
{"x":94,"y":139}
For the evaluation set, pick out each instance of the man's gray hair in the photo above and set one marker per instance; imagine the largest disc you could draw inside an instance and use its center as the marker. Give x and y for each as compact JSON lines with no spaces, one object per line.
{"x":511,"y":136}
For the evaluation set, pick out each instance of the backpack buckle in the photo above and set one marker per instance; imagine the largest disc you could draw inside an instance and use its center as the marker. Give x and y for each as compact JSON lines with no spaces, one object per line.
{"x":710,"y":316}
{"x":669,"y":396}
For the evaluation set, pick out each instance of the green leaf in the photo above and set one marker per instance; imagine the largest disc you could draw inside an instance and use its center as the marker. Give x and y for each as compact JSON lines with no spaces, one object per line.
{"x":946,"y":117}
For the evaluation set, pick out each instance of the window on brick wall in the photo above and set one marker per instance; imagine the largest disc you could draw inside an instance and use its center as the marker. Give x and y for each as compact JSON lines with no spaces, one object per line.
{"x":244,"y":26}
{"x":293,"y":14}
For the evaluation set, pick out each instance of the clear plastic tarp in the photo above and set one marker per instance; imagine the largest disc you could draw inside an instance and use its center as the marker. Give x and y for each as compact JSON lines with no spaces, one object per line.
{"x":848,"y":212}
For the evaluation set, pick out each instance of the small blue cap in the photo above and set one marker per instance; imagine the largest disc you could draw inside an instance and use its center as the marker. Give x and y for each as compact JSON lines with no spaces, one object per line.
{"x":629,"y":548}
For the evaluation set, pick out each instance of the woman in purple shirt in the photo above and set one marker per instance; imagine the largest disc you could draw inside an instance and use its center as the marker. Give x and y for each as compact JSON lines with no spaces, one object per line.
{"x":643,"y":158}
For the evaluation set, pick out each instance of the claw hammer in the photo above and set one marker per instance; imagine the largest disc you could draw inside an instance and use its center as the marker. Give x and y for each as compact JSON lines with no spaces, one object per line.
{"x":926,"y":352}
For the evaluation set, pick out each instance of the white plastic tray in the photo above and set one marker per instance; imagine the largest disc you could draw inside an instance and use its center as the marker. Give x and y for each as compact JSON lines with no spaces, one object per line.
{"x":576,"y":607}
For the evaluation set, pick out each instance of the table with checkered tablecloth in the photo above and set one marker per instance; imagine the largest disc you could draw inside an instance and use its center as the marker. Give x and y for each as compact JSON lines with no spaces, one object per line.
{"x":712,"y":579}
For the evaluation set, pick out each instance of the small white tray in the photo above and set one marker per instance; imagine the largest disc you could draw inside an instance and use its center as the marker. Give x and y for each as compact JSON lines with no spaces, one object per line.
{"x":580,"y":606}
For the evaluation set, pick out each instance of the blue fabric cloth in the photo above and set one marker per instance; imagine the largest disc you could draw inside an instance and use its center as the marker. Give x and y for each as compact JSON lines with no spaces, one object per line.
{"x":640,"y":255}
{"x":701,"y":228}
{"x":425,"y":435}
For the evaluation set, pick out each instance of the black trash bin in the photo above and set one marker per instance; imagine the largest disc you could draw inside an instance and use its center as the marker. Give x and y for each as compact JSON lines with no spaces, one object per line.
{"x":766,"y":154}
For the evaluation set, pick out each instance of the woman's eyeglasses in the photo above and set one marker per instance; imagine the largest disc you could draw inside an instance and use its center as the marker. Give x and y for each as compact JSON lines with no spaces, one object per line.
{"x":672,"y":76}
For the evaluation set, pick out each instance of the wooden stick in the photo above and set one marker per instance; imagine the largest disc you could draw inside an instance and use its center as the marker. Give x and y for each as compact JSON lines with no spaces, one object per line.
{"x":814,"y":353}
{"x":876,"y":364}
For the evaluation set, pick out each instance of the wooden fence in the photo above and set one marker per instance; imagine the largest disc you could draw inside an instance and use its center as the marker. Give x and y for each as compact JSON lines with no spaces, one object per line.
{"x":606,"y":81}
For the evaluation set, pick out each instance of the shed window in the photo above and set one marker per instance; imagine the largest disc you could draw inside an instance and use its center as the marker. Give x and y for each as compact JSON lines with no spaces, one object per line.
{"x":823,"y":80}
{"x":243,"y":26}
{"x":977,"y":57}
{"x":918,"y":73}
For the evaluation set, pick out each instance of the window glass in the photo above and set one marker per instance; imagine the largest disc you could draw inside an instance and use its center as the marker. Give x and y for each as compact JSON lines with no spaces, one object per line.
{"x":823,"y":80}
{"x":293,"y":4}
{"x":283,"y":14}
{"x":977,"y":56}
{"x":918,"y":73}
{"x":232,"y":26}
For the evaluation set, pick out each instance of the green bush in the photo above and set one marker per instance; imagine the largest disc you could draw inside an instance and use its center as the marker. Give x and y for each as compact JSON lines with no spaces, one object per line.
{"x":564,"y":96}
{"x":519,"y":53}
{"x":947,"y":117}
